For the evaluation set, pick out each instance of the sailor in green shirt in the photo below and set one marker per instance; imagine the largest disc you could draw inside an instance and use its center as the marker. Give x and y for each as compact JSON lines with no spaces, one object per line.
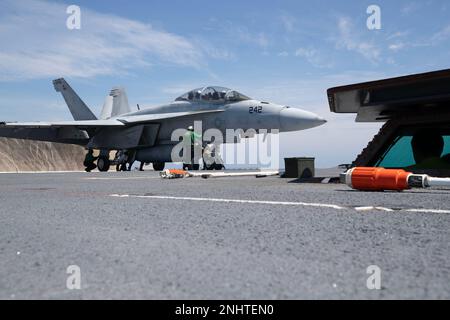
{"x":193,"y":142}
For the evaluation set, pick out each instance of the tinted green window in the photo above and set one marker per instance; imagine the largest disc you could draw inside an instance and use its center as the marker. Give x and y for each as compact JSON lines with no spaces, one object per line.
{"x":400,"y":154}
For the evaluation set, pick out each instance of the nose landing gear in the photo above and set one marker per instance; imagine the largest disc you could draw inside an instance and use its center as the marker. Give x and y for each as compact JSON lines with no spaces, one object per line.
{"x":103,"y":164}
{"x":159,"y":166}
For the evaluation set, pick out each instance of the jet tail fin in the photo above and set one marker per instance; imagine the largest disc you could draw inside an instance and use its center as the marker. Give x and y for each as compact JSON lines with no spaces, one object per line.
{"x":107,"y":108}
{"x":115,"y":104}
{"x":77,"y":107}
{"x":120,"y":102}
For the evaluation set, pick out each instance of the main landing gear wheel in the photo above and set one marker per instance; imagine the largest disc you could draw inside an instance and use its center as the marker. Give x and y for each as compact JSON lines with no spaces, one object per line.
{"x":191,"y":167}
{"x":158,"y":166}
{"x":214,"y":166}
{"x":103,"y":164}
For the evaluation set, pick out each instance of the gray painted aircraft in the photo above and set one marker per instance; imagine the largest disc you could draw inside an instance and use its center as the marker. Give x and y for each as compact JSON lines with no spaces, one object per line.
{"x":148,"y":131}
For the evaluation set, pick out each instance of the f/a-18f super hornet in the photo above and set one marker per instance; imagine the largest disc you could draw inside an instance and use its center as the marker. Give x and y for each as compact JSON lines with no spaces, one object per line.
{"x":147,"y":132}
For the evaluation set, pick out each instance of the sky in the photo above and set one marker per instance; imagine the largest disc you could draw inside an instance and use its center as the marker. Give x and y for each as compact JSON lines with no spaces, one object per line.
{"x":286,"y":52}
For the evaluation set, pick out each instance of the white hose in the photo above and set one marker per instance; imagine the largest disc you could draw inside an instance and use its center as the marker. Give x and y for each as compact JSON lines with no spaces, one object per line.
{"x":438,"y":182}
{"x":234,"y":174}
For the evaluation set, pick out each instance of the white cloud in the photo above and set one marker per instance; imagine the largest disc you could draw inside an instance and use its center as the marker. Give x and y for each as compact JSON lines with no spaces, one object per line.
{"x":105,"y":45}
{"x":288,"y":22}
{"x":259,"y":39}
{"x":234,"y":34}
{"x":391,"y":61}
{"x":396,"y":46}
{"x":177,"y":90}
{"x":313,"y":57}
{"x":441,"y":36}
{"x":435,"y":39}
{"x":23,"y":108}
{"x":306,"y":53}
{"x":351,"y":41}
{"x":410,"y":8}
{"x":396,"y":35}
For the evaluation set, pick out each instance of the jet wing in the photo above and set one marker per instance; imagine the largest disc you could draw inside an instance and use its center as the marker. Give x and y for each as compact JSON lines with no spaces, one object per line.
{"x":92,"y":124}
{"x":71,"y":132}
{"x":80,"y":132}
{"x":84,"y":124}
{"x":161,"y":116}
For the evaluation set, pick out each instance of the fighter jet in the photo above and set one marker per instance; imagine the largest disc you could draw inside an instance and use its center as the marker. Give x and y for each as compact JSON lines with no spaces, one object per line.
{"x":148,"y":131}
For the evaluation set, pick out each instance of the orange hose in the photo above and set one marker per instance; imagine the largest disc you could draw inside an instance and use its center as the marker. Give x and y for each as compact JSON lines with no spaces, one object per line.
{"x":379,"y":179}
{"x":177,"y":171}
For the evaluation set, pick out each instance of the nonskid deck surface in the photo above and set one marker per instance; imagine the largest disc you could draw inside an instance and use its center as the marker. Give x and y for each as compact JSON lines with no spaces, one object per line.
{"x":134,"y":235}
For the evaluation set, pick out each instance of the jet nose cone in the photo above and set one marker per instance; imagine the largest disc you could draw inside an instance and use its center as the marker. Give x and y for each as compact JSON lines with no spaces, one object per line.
{"x":293,"y":119}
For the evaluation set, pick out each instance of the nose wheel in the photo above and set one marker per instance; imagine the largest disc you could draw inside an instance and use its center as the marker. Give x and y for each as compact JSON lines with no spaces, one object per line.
{"x":158,"y":166}
{"x":103,"y":164}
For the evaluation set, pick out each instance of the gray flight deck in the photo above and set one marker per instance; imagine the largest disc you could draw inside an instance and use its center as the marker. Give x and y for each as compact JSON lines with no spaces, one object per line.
{"x":136,"y":236}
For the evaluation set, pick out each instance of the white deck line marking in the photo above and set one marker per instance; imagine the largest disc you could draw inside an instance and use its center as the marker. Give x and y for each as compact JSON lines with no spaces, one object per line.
{"x":427,"y":210}
{"x":283,"y":203}
{"x":39,"y":172}
{"x":304,"y":204}
{"x":373,"y":208}
{"x":120,"y":178}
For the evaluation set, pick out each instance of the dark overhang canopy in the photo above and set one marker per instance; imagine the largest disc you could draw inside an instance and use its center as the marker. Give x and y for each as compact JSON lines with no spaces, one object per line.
{"x":385,"y":99}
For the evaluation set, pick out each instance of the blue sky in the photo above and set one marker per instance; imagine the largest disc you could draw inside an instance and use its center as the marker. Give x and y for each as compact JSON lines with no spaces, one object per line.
{"x":287,"y":52}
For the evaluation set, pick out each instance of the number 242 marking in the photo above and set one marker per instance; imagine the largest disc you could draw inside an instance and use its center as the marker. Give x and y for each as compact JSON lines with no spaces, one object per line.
{"x":255,"y":109}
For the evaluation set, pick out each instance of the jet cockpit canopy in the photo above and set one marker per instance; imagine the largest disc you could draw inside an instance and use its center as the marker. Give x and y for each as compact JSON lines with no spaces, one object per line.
{"x":213,"y":95}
